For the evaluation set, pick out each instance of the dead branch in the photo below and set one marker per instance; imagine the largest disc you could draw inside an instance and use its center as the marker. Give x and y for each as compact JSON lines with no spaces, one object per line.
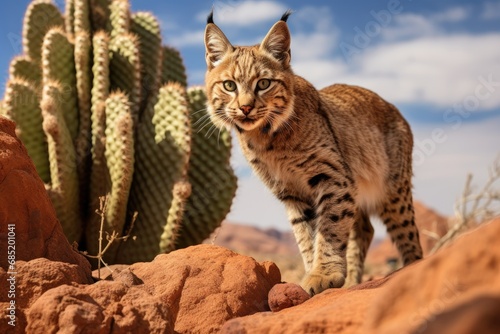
{"x":474,"y":207}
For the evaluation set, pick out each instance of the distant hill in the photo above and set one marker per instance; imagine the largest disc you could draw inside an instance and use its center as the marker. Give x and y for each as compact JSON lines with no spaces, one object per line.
{"x":247,"y":239}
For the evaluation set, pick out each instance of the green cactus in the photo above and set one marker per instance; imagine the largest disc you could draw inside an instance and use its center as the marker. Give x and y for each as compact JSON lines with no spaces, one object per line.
{"x":41,"y":16}
{"x":125,"y":68}
{"x":119,"y":169}
{"x":162,"y":156}
{"x":59,"y":66}
{"x":172,"y":67}
{"x":82,"y":22}
{"x":171,"y":230}
{"x":64,"y":178}
{"x":22,"y":105}
{"x":210,"y":174}
{"x":100,"y":92}
{"x":69,"y":18}
{"x":22,"y":67}
{"x":83,"y":63}
{"x":103,"y":110}
{"x":146,"y":27}
{"x":119,"y":18}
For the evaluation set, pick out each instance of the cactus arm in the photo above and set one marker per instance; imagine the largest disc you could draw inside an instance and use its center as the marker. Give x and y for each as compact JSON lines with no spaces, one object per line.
{"x":62,"y":157}
{"x":22,"y":67}
{"x":162,"y":156}
{"x":118,"y":172}
{"x":83,"y":63}
{"x":173,"y":69}
{"x":58,"y":65}
{"x":119,"y":17}
{"x":40,"y":16}
{"x":147,"y":29}
{"x":22,"y":105}
{"x":211,"y":176}
{"x":69,"y":18}
{"x":100,"y":92}
{"x":125,"y":68}
{"x":171,"y":231}
{"x":120,"y":162}
{"x":82,"y":17}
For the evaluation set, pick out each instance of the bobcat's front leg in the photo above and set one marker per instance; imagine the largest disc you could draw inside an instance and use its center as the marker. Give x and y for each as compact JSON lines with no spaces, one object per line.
{"x":335,"y":212}
{"x":301,"y":216}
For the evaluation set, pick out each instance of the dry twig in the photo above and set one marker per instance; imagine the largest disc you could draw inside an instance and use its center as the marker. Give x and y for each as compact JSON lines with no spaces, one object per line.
{"x":103,"y":202}
{"x":474,"y":208}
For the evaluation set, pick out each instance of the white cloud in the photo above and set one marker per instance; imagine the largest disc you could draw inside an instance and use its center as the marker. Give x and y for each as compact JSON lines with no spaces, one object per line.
{"x":189,"y":38}
{"x":491,"y":10}
{"x":454,"y":14}
{"x":439,"y":70}
{"x":245,"y":13}
{"x":409,"y":25}
{"x":313,"y":33}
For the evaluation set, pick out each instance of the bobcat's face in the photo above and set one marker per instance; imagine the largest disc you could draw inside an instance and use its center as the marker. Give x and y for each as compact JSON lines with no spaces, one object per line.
{"x":249,"y":87}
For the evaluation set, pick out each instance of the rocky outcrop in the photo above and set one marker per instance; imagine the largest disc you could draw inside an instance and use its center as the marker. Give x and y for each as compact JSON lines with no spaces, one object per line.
{"x":31,"y":280}
{"x":25,"y":208}
{"x":193,"y":290}
{"x":457,"y":290}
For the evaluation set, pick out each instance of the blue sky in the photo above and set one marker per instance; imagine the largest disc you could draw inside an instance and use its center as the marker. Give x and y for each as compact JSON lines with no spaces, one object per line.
{"x":437,"y":61}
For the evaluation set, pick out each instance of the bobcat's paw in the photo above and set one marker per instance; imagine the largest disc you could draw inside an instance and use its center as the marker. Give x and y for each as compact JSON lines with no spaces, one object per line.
{"x":315,"y":282}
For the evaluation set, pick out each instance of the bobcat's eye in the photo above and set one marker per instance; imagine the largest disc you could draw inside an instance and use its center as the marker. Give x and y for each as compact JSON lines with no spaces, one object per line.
{"x":263,"y":84}
{"x":229,"y":85}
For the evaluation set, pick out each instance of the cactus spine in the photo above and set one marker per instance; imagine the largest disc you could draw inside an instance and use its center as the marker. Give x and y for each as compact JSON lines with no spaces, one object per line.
{"x":103,"y":109}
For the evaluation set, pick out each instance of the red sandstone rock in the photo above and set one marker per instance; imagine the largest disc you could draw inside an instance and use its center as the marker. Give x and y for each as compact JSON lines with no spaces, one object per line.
{"x":207,"y":285}
{"x":193,"y":290}
{"x":104,"y":307}
{"x":32,"y":279}
{"x":286,"y":295}
{"x":456,"y":290}
{"x":451,"y":283}
{"x":24,"y":203}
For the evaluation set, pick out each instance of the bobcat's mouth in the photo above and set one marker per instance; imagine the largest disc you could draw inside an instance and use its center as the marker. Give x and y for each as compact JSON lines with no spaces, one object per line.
{"x":248,"y":123}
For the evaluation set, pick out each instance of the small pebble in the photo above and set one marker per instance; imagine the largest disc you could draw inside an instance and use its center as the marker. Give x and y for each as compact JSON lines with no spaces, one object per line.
{"x":285,"y":295}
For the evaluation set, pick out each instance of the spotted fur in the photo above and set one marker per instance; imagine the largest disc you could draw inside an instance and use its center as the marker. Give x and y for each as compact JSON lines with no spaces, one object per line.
{"x":333,"y":157}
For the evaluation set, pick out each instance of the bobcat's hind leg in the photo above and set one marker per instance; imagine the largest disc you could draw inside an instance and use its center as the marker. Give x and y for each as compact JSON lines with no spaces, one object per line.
{"x":399,"y":219}
{"x":360,"y":237}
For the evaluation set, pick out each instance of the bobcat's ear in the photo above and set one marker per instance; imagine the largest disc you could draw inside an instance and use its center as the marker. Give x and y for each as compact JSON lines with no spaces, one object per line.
{"x":216,"y":43}
{"x":277,"y":41}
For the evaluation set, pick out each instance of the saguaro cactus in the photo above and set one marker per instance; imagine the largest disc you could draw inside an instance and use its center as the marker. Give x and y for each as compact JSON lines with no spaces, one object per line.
{"x":103,"y":110}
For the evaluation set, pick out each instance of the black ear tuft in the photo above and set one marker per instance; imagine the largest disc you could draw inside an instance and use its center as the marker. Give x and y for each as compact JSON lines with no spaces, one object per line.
{"x":210,"y":18}
{"x":286,"y":15}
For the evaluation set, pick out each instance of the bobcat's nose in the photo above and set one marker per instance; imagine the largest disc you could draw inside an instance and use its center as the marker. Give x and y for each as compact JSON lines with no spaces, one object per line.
{"x":246,"y":109}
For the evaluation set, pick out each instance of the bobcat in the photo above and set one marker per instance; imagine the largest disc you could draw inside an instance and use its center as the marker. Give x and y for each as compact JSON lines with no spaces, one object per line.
{"x":333,"y":156}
